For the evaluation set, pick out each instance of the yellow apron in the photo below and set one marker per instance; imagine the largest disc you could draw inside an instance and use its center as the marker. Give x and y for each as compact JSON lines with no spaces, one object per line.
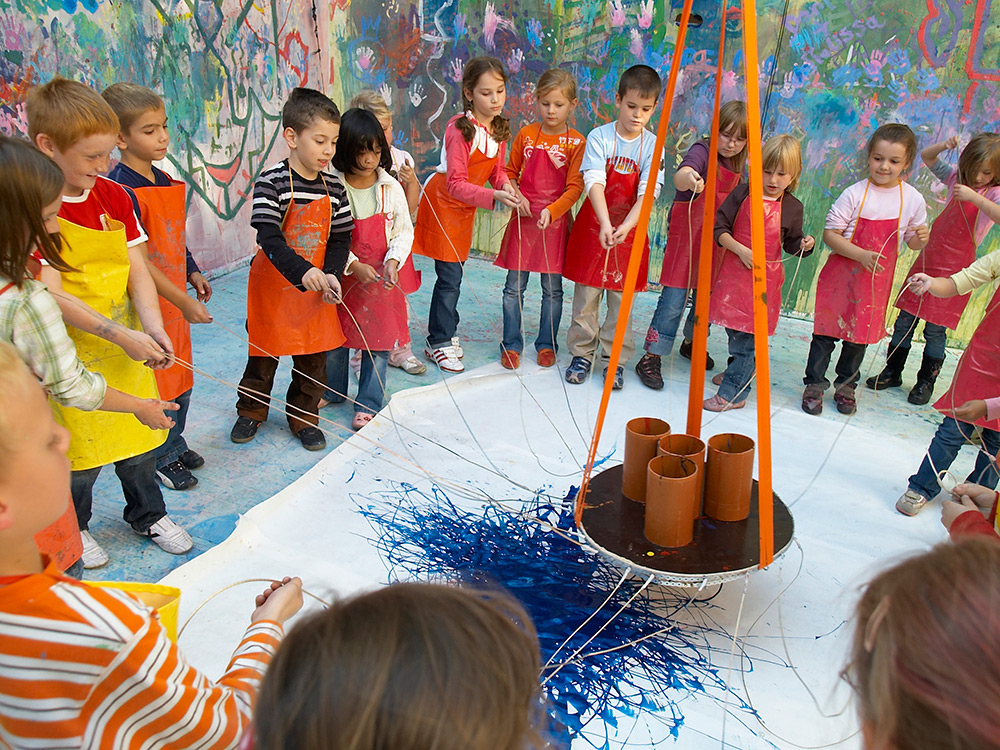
{"x":101,"y":280}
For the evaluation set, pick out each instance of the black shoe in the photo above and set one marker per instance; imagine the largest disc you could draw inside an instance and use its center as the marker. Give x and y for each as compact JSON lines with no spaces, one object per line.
{"x":921,"y":393}
{"x":312,"y":438}
{"x":191,"y":460}
{"x":175,"y":476}
{"x":685,"y":351}
{"x":648,"y":370}
{"x":892,"y":374}
{"x":619,"y":381}
{"x":244,"y":430}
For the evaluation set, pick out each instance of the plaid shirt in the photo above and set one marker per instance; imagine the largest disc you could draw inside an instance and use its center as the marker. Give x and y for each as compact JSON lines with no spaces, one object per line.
{"x":31,"y":321}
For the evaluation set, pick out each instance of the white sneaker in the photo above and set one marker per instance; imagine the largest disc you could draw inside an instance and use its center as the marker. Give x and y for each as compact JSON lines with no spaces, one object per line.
{"x":444,"y":357}
{"x":169,"y":536}
{"x":412,"y":366}
{"x":459,"y":352}
{"x":94,"y":555}
{"x":910,"y":503}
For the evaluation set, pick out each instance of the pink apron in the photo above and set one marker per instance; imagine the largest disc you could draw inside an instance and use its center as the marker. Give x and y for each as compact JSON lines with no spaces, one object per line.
{"x":683,"y":251}
{"x":525,"y":247}
{"x":850,"y":300}
{"x":586,"y":261}
{"x":731,"y":304}
{"x":372,"y":317}
{"x":951,"y":247}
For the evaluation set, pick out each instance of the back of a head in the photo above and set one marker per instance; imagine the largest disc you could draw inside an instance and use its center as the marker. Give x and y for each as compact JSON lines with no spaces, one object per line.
{"x":925,"y":660}
{"x":129,"y":101}
{"x":641,"y":79}
{"x":304,"y":107}
{"x":410,"y":666}
{"x":68,"y":111}
{"x":373,"y":102}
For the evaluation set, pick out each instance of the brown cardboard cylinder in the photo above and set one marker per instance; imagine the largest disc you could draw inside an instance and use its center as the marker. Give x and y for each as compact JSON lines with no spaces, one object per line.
{"x":688,"y":446}
{"x":728,"y":476}
{"x":671,"y":502}
{"x":641,"y":436}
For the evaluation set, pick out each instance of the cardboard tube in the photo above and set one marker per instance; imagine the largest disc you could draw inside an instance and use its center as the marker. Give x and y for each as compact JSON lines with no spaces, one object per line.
{"x":728,"y":477}
{"x":671,"y":502}
{"x":641,"y":437}
{"x":688,"y":446}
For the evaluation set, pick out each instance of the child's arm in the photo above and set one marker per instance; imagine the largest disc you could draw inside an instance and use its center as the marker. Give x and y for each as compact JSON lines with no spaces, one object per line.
{"x":980,"y":201}
{"x":632,"y":218}
{"x":457,"y":178}
{"x":929,"y":155}
{"x":196,"y":279}
{"x":571,"y":194}
{"x":142,"y":292}
{"x":793,"y":242}
{"x":513,"y":172}
{"x":982,"y":271}
{"x":400,"y":237}
{"x":193,"y":310}
{"x":839,"y":244}
{"x":688,"y":177}
{"x":725,"y":218}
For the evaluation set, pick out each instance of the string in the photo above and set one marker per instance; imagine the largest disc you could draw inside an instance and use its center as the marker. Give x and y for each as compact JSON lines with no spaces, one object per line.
{"x":732,"y":655}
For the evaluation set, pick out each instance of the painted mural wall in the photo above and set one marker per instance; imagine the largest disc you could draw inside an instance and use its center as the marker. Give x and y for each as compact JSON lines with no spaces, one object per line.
{"x":831,"y":71}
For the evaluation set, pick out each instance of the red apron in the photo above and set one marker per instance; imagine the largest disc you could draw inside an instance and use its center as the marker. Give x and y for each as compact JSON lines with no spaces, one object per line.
{"x":444,"y":224}
{"x":731,"y":304}
{"x":281,"y":319}
{"x":683,"y":251}
{"x":951,"y":247}
{"x":978,"y":373}
{"x":162,"y":212}
{"x":379,"y":313}
{"x":850,"y":300}
{"x":525,"y":247}
{"x":589,"y":263}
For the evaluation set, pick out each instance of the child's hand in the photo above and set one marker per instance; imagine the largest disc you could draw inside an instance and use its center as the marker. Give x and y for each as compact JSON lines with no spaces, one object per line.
{"x":697,"y":184}
{"x":142,"y":348}
{"x":279,"y":601}
{"x":964,"y":193}
{"x":160,"y":337}
{"x":507,"y":196}
{"x":982,"y":497}
{"x":406,"y":175}
{"x":920,"y":283}
{"x":950,"y":510}
{"x":390,"y":273}
{"x":314,"y":280}
{"x":808,"y":243}
{"x":606,"y":236}
{"x":545,"y":219}
{"x":869,"y":260}
{"x":332,"y":295}
{"x":195,"y":312}
{"x":952,"y":143}
{"x":922,"y":232}
{"x":523,"y":206}
{"x":970,"y":411}
{"x":150,"y":413}
{"x":745,"y":254}
{"x":620,"y":235}
{"x":201,"y":286}
{"x":363,"y":272}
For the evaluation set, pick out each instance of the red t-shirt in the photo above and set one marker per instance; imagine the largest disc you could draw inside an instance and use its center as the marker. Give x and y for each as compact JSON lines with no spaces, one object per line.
{"x":106,"y":197}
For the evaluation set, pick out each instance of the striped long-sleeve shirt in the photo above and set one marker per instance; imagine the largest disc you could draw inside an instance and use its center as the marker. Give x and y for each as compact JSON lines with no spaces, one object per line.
{"x":85,"y":667}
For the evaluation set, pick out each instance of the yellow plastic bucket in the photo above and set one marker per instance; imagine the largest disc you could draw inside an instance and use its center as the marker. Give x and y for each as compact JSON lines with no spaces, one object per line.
{"x":165,"y":600}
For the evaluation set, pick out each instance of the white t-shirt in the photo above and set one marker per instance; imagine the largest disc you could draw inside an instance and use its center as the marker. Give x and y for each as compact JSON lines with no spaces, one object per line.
{"x":879,"y":203}
{"x":604,"y":144}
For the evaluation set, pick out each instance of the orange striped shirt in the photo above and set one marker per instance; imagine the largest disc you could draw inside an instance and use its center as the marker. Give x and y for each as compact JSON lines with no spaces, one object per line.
{"x":85,"y":667}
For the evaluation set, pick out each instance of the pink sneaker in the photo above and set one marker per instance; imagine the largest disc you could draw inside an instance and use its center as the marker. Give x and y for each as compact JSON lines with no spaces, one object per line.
{"x":718,"y":403}
{"x":361,"y":418}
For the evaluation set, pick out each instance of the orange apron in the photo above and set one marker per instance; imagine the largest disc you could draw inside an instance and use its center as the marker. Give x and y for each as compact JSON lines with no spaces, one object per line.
{"x":281,"y":319}
{"x":162,"y":212}
{"x":444,"y":224}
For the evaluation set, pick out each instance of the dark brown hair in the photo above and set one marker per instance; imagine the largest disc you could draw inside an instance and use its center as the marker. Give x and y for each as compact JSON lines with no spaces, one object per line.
{"x":68,"y":111}
{"x":925,"y":661}
{"x":304,"y":106}
{"x":896,"y":132}
{"x":983,"y":151}
{"x":130,"y":101}
{"x":29,"y":181}
{"x":360,"y":131}
{"x":643,"y":80}
{"x":410,"y":666}
{"x":500,"y":127}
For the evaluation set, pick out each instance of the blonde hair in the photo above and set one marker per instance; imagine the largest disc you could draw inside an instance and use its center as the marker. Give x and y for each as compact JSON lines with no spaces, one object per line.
{"x":129,"y":101}
{"x":68,"y":111}
{"x":783,"y":152}
{"x":556,"y":78}
{"x":733,"y":120}
{"x":983,"y":151}
{"x":373,"y":102}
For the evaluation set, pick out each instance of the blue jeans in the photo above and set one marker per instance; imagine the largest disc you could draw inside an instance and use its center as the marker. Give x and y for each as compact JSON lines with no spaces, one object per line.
{"x":736,"y":380}
{"x":513,"y":303}
{"x":935,"y":336}
{"x":442,"y":322}
{"x":371,"y":379}
{"x":143,"y":499}
{"x":944,"y":447}
{"x":667,"y":319}
{"x":175,"y":445}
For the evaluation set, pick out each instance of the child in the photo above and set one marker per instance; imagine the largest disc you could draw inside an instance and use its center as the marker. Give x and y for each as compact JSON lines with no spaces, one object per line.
{"x":732,"y":303}
{"x":303,"y":224}
{"x":864,"y":229}
{"x":616,"y":166}
{"x":474,"y":145}
{"x":970,"y":211}
{"x":373,"y":308}
{"x":683,"y":250}
{"x":971,"y":511}
{"x":159,"y":201}
{"x":544,"y":168}
{"x":410,"y":666}
{"x":105,"y":243}
{"x":975,"y":378}
{"x":924,"y":655}
{"x":78,"y":660}
{"x":402,"y":169}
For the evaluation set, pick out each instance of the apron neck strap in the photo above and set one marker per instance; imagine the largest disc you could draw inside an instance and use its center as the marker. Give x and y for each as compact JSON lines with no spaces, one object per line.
{"x":291,"y":197}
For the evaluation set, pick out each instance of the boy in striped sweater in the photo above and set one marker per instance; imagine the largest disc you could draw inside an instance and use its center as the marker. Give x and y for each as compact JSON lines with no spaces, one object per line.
{"x":92,"y":667}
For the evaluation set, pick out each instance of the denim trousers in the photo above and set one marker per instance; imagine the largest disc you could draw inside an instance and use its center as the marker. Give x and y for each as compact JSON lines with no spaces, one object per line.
{"x":175,"y":444}
{"x":143,"y":500}
{"x":513,"y":304}
{"x":736,"y":380}
{"x":935,"y":336}
{"x":951,"y":435}
{"x":371,"y":379}
{"x":442,"y":321}
{"x":667,"y":319}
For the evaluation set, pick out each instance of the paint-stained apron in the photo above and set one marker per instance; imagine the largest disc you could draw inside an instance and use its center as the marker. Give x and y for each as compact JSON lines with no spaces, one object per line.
{"x":162,"y":212}
{"x":850,"y":300}
{"x":372,"y":317}
{"x":976,"y":376}
{"x":589,"y":263}
{"x":950,"y":248}
{"x":444,"y":224}
{"x":682,"y":254}
{"x":281,"y":319}
{"x":101,"y":260}
{"x":525,"y":247}
{"x":732,"y":300}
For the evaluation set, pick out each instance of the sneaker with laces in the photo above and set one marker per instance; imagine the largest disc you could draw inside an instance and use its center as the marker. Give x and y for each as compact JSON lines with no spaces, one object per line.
{"x":845,"y":399}
{"x":244,"y":430}
{"x":169,"y":537}
{"x":361,"y":418}
{"x":191,"y":460}
{"x":578,"y":370}
{"x":648,"y":370}
{"x":412,"y":366}
{"x":312,"y":438}
{"x":546,"y":357}
{"x":94,"y":555}
{"x":718,"y":403}
{"x":445,"y":358}
{"x":619,"y":381}
{"x":510,"y":360}
{"x":911,"y":502}
{"x":174,"y":476}
{"x":457,"y":346}
{"x":812,"y":399}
